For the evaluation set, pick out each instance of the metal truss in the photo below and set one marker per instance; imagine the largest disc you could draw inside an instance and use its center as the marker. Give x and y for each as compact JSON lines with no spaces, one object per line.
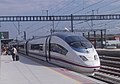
{"x":60,"y":18}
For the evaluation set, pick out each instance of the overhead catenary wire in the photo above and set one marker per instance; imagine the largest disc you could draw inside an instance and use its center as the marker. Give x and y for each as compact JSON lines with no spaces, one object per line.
{"x":61,"y":8}
{"x":84,"y":8}
{"x":103,"y":6}
{"x":39,"y":28}
{"x":112,"y":2}
{"x":67,"y":4}
{"x":88,"y":6}
{"x":56,"y":6}
{"x":29,"y":27}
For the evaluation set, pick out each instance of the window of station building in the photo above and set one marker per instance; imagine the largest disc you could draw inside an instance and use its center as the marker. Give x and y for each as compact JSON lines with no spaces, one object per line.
{"x":58,"y":48}
{"x":37,"y":47}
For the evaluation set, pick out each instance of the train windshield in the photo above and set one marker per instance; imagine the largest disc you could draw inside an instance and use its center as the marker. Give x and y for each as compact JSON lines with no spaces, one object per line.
{"x":78,"y":42}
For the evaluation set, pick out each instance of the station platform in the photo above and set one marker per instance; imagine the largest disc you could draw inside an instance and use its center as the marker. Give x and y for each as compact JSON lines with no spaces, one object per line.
{"x":26,"y":71}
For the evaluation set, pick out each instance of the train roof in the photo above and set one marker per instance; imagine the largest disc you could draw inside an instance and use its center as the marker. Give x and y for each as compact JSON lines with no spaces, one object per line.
{"x":64,"y":35}
{"x":61,"y":35}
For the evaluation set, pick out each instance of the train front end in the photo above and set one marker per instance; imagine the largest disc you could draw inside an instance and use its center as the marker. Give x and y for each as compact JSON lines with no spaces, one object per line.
{"x":86,"y":59}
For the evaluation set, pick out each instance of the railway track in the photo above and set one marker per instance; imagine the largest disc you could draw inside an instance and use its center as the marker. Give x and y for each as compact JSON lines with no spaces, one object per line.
{"x":109,"y":71}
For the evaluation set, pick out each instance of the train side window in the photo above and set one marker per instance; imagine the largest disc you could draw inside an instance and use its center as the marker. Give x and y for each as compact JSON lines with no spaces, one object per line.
{"x":21,"y":46}
{"x":41,"y":47}
{"x":34,"y":46}
{"x":37,"y":47}
{"x":58,"y":48}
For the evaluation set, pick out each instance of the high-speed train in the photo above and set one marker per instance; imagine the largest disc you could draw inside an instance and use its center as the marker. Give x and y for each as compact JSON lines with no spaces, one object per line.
{"x":64,"y":49}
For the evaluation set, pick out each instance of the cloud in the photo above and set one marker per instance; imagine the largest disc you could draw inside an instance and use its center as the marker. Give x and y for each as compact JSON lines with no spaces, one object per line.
{"x":14,"y":7}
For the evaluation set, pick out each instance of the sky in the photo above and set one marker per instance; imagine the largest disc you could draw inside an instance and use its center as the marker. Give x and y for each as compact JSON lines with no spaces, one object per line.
{"x":57,"y":7}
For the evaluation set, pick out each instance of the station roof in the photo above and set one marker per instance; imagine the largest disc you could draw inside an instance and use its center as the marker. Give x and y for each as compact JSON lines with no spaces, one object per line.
{"x":6,"y":41}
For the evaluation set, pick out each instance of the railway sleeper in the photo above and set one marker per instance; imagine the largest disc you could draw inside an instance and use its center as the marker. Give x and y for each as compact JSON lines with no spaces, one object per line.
{"x":113,"y":57}
{"x":107,"y":78}
{"x":110,"y":63}
{"x":110,"y":68}
{"x":110,"y":58}
{"x":112,"y":73}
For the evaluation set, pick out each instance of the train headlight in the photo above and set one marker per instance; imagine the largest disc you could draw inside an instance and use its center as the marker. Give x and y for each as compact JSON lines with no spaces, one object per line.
{"x":83,"y":58}
{"x":95,"y":57}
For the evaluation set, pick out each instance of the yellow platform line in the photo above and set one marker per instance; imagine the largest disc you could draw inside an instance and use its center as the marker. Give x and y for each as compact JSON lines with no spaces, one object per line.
{"x":77,"y":82}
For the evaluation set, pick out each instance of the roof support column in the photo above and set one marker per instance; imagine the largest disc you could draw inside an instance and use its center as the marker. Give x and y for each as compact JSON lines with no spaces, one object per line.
{"x":71,"y":23}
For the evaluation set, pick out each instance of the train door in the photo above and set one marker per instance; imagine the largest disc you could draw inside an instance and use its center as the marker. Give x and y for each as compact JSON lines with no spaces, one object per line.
{"x":26,"y":47}
{"x":47,"y":48}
